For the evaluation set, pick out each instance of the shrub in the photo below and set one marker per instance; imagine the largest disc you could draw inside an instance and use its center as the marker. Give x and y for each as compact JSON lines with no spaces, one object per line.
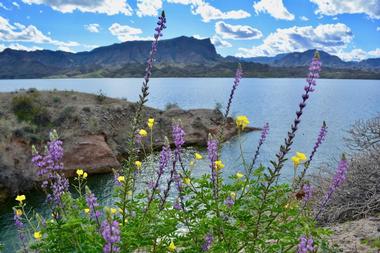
{"x":171,"y":105}
{"x":100,"y":96}
{"x":178,"y":212}
{"x":29,"y":109}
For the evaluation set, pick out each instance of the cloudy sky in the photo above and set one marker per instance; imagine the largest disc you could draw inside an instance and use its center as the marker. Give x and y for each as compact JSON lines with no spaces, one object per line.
{"x":347,"y":28}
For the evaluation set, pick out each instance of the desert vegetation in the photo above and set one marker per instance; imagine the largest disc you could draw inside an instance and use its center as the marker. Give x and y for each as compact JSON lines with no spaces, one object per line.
{"x":252,"y":211}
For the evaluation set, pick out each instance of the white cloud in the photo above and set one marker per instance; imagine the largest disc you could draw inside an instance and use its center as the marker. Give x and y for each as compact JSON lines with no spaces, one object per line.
{"x":378,"y":28}
{"x":331,"y":38}
{"x":109,"y":7}
{"x":237,"y":32}
{"x":199,"y":37}
{"x":126,"y":33}
{"x":16,"y":4}
{"x":209,"y":12}
{"x":4,"y":7}
{"x":358,"y":54}
{"x":335,"y":7}
{"x":17,"y":46}
{"x":303,"y":18}
{"x":21,"y":33}
{"x":93,"y":28}
{"x":148,"y":7}
{"x":275,"y":8}
{"x":218,"y":42}
{"x":66,"y":49}
{"x":19,"y":26}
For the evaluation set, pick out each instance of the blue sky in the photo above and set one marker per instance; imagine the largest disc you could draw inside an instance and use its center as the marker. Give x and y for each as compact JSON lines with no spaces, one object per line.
{"x":247,"y":28}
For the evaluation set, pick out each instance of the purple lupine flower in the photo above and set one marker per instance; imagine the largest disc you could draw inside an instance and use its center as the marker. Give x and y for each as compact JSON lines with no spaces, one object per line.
{"x":212,"y":150}
{"x":177,"y":205}
{"x":315,"y":68}
{"x":337,"y":181}
{"x":20,"y":229}
{"x":92,"y":203}
{"x":308,"y":191}
{"x":111,"y":234}
{"x":320,"y":139}
{"x":208,"y":239}
{"x":165,"y":155}
{"x":178,"y":136}
{"x":229,"y":201}
{"x":50,"y":165}
{"x":161,"y":25}
{"x":305,"y":245}
{"x":238,"y":76}
{"x":264,"y":134}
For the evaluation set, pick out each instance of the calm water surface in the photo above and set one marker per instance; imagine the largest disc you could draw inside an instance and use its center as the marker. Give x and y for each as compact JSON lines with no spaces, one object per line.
{"x":339,"y":102}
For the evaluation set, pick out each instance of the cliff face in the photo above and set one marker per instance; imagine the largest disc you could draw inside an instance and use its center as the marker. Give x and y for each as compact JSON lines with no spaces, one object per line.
{"x":179,"y":51}
{"x":94,"y":130}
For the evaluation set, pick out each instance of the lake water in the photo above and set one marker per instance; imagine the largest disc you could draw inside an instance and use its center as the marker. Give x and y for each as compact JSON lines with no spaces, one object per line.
{"x":338,"y":102}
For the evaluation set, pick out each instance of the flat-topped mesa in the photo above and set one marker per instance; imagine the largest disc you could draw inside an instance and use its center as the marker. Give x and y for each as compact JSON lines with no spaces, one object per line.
{"x":94,"y":128}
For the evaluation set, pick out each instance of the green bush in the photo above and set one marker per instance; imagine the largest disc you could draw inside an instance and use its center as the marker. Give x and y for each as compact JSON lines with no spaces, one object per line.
{"x":28,"y":108}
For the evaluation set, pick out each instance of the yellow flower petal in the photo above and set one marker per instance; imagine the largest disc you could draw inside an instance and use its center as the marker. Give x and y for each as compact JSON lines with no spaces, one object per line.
{"x":143,"y":133}
{"x":20,"y":198}
{"x":79,"y":172}
{"x":301,"y":156}
{"x":187,"y":180}
{"x":239,"y":175}
{"x":121,"y":179}
{"x":242,"y":122}
{"x":18,"y":212}
{"x":113,"y":210}
{"x":87,"y":210}
{"x":85,"y":175}
{"x":150,"y":123}
{"x":219,"y":165}
{"x":198,"y":156}
{"x":37,"y":235}
{"x":171,"y":247}
{"x":138,"y":164}
{"x":296,"y":160}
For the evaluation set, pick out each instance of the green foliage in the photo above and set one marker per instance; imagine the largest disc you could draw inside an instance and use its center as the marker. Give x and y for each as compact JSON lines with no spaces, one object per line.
{"x":170,"y":105}
{"x":28,"y":108}
{"x":100,"y":96}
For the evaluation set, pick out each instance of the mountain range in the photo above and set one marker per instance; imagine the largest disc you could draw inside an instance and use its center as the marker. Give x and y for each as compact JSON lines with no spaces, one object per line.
{"x":178,"y":57}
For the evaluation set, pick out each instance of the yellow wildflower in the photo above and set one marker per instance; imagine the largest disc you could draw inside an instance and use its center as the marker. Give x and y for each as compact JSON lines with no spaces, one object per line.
{"x":143,"y":133}
{"x":187,"y":180}
{"x":233,"y":195}
{"x":198,"y":156}
{"x":37,"y":235}
{"x":150,"y":123}
{"x":87,"y":210}
{"x":172,"y":247}
{"x":18,"y":212}
{"x":296,"y":161}
{"x":113,"y":210}
{"x":20,"y":198}
{"x":121,"y":179}
{"x":241,"y":122}
{"x":191,"y":163}
{"x":219,"y":165}
{"x":85,"y":175}
{"x":138,"y":164}
{"x":301,"y":156}
{"x":239,"y":175}
{"x":79,"y":172}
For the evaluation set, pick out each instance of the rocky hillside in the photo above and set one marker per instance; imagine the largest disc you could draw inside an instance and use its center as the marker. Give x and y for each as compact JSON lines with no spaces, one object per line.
{"x":94,"y":129}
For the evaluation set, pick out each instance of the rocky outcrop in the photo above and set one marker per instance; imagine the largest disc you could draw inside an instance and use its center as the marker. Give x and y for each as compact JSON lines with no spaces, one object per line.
{"x":94,"y":129}
{"x":359,"y":236}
